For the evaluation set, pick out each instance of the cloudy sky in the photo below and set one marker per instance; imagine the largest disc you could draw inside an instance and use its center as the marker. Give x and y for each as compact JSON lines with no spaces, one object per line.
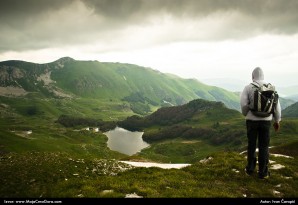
{"x":190,"y":38}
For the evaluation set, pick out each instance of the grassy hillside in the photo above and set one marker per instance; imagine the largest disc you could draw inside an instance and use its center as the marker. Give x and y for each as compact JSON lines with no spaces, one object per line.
{"x":143,"y":89}
{"x":218,"y":175}
{"x":291,"y":111}
{"x":124,"y":88}
{"x":135,"y":84}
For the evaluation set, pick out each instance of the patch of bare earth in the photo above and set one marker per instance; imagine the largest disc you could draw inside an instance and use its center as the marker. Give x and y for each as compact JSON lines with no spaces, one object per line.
{"x":190,"y":141}
{"x":48,"y":82}
{"x":11,"y":91}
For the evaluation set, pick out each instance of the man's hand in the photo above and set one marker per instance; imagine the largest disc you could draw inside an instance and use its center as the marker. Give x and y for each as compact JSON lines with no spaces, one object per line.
{"x":276,"y":126}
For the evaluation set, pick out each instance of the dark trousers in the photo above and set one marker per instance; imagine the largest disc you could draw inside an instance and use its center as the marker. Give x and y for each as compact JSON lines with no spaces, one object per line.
{"x":258,"y":131}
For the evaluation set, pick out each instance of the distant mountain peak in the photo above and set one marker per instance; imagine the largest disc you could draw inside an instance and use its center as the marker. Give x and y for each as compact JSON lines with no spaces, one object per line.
{"x":64,"y":59}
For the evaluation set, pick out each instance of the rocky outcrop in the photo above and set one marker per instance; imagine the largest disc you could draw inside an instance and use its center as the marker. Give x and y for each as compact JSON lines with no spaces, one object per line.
{"x":8,"y":74}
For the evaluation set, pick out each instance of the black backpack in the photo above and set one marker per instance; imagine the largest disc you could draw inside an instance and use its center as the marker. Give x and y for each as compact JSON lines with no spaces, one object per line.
{"x":265,"y":99}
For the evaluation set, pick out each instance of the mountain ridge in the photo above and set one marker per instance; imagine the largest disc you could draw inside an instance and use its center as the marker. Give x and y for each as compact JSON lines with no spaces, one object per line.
{"x":291,"y":111}
{"x":140,"y":89}
{"x":143,"y":88}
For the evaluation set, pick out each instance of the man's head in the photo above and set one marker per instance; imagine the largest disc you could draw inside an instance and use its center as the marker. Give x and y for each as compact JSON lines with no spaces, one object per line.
{"x":257,"y":74}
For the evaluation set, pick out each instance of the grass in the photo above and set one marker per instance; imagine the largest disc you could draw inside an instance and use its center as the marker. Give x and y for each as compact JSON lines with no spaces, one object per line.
{"x":178,"y":151}
{"x":45,"y":174}
{"x":51,"y":137}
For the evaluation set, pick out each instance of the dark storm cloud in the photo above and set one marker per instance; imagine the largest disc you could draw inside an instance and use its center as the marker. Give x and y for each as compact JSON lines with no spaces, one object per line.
{"x":16,"y":12}
{"x":33,"y":24}
{"x":18,"y":21}
{"x":286,"y":10}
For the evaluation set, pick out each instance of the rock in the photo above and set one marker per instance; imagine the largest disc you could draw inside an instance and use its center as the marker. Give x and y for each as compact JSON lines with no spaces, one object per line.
{"x":133,"y":195}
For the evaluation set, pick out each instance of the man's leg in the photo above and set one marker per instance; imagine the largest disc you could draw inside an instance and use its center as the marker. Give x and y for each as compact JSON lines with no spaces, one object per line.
{"x":252,"y":134}
{"x":264,"y":140}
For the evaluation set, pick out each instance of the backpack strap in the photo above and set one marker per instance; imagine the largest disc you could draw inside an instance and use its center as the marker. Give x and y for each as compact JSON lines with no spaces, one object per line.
{"x":255,"y":84}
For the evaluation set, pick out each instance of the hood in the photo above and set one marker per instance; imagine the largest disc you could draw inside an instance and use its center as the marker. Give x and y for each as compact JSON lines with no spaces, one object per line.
{"x":257,"y":74}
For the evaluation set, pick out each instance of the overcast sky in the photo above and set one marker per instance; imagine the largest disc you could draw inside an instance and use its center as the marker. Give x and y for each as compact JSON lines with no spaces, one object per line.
{"x":190,"y":38}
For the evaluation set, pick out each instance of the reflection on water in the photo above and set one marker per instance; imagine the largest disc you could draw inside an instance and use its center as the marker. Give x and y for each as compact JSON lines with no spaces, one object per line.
{"x":124,"y":141}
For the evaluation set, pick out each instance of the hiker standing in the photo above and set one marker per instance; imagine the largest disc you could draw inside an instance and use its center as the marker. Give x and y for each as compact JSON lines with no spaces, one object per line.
{"x":258,"y":126}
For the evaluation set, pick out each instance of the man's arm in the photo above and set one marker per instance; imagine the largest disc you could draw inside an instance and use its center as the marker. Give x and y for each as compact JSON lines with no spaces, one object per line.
{"x":277,"y":117}
{"x":244,"y":101}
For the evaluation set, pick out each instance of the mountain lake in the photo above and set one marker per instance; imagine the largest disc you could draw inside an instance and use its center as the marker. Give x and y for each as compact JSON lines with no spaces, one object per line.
{"x":124,"y":141}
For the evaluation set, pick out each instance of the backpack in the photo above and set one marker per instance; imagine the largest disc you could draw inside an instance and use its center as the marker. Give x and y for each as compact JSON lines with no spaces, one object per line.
{"x":265,"y":99}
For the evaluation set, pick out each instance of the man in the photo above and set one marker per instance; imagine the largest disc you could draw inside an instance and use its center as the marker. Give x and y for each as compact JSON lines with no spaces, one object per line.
{"x":258,"y":128}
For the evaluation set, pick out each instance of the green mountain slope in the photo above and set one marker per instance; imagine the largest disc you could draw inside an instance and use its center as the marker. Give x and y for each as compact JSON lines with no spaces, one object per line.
{"x":291,"y":111}
{"x":143,"y":89}
{"x":135,"y":84}
{"x":194,"y":113}
{"x":120,"y":87}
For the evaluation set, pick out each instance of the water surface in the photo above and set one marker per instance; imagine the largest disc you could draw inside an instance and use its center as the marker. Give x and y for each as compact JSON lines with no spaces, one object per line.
{"x":124,"y":141}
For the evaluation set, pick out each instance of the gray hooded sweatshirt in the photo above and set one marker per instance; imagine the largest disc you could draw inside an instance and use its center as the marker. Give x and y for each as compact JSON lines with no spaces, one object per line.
{"x":247,"y":98}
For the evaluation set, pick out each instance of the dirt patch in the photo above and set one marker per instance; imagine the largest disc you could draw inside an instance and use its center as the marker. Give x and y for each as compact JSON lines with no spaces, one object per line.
{"x":11,"y":91}
{"x":49,"y":83}
{"x":190,"y":141}
{"x":24,"y":134}
{"x":46,"y":78}
{"x":224,"y":123}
